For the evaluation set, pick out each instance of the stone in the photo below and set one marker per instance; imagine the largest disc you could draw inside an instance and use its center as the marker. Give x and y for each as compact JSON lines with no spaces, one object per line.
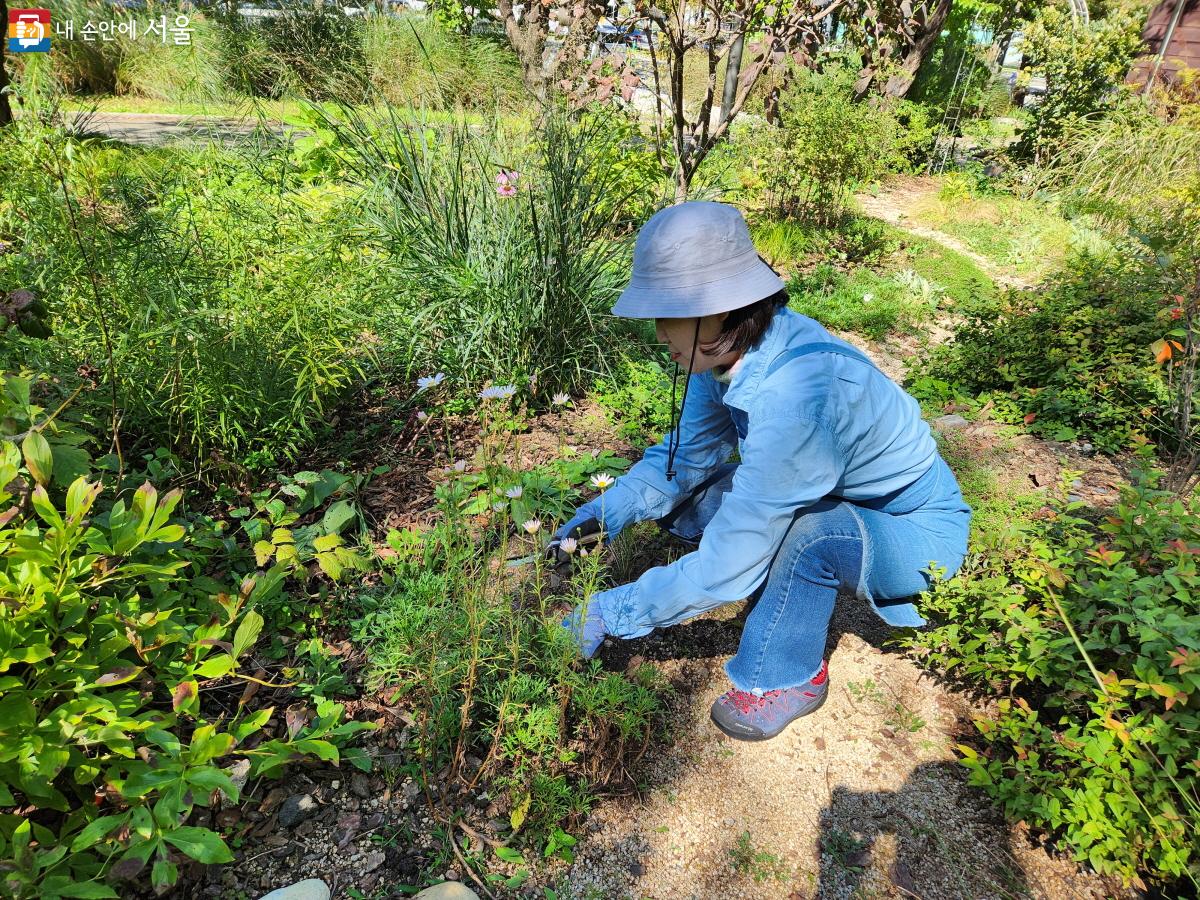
{"x":310,"y":889}
{"x":950,"y":422}
{"x":373,"y":861}
{"x":447,"y":890}
{"x":295,"y":810}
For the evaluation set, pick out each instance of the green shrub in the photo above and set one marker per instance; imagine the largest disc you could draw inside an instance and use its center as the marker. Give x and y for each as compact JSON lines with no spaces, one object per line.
{"x":489,"y":670}
{"x":110,"y":631}
{"x":1084,"y":66}
{"x":638,"y":396}
{"x":827,"y":143}
{"x":1070,"y":359}
{"x":223,"y":295}
{"x":1087,"y":636}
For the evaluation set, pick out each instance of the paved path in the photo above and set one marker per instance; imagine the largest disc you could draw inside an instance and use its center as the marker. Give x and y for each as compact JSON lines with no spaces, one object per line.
{"x":150,"y":129}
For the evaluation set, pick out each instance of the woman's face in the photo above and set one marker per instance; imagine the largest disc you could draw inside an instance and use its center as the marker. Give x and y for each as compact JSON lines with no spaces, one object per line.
{"x":678,"y":334}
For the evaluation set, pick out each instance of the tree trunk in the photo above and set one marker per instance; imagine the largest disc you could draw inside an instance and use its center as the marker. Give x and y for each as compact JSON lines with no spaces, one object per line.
{"x":733,"y":68}
{"x":6,"y":115}
{"x":900,"y":83}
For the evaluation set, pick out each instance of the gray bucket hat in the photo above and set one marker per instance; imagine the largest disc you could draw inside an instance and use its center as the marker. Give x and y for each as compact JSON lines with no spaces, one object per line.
{"x":695,"y":259}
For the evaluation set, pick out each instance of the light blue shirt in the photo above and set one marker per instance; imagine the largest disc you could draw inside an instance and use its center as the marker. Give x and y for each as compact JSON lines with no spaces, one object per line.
{"x":818,"y":424}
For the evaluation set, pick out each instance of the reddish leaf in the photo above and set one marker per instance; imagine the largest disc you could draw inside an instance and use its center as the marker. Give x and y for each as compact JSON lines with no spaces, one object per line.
{"x":1030,"y":418}
{"x":184,"y":692}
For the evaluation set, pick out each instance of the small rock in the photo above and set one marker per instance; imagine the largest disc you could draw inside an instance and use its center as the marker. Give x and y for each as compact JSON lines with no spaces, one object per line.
{"x":447,"y":890}
{"x":452,"y":874}
{"x":238,"y":773}
{"x":295,"y":810}
{"x":637,"y":870}
{"x":1087,"y":449}
{"x":412,"y":791}
{"x":310,"y":889}
{"x":1074,"y":498}
{"x":334,"y":785}
{"x":373,"y":861}
{"x":950,"y":423}
{"x":361,"y":786}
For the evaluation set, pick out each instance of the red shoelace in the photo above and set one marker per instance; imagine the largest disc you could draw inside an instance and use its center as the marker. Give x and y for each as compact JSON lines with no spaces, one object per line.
{"x":744,"y":701}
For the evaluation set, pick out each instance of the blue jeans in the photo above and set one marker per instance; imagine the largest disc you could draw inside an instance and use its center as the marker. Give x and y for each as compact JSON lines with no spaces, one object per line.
{"x":881,"y":549}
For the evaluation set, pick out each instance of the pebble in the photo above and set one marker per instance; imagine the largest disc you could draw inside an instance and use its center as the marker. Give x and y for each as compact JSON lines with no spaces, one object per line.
{"x":950,"y":423}
{"x":295,"y":810}
{"x":311,"y":889}
{"x":447,"y":890}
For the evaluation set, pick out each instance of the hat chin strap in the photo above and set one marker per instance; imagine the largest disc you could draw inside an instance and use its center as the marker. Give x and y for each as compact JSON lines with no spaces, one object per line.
{"x":676,"y":418}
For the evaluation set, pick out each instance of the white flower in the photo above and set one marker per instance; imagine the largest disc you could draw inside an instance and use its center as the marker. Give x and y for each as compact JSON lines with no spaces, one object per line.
{"x":568,"y":545}
{"x":422,"y":416}
{"x":497,"y":392}
{"x":868,"y":297}
{"x":460,"y":466}
{"x":531,"y":525}
{"x":603,"y":481}
{"x":513,"y":492}
{"x":499,"y":507}
{"x":428,"y":381}
{"x":583,"y":551}
{"x":560,"y":399}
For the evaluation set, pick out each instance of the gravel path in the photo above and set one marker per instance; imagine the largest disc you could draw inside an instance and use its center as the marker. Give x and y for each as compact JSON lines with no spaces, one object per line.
{"x":865,"y":798}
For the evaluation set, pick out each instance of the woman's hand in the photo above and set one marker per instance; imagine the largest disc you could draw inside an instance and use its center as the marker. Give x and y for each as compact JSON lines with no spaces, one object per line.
{"x":584,"y":529}
{"x":586,"y":627}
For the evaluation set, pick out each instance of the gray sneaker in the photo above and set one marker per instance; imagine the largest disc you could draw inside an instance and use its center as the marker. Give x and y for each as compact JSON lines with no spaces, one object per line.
{"x":749,"y":717}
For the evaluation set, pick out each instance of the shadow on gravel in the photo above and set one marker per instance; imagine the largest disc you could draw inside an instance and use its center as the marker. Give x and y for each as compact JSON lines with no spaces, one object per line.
{"x":931,"y":838}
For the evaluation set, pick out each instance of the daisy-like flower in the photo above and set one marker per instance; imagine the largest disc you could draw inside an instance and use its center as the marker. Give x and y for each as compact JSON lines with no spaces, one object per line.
{"x":460,"y":466}
{"x":428,"y":381}
{"x":533,"y":526}
{"x":868,"y":297}
{"x":506,"y":190}
{"x":499,"y":507}
{"x":603,"y":481}
{"x":513,"y":492}
{"x":507,"y":176}
{"x":422,"y":416}
{"x":560,"y":399}
{"x":497,"y":392}
{"x":568,"y":545}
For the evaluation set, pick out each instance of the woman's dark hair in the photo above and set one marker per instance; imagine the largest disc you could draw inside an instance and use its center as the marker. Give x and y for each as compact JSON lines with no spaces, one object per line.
{"x":744,"y":327}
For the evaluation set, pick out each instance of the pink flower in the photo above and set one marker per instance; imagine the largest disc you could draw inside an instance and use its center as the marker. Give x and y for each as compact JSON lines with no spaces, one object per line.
{"x":507,"y":177}
{"x":506,"y":190}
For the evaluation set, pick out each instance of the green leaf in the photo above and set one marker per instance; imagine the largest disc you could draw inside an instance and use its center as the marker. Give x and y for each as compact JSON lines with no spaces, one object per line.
{"x":70,"y":463}
{"x":200,"y":844}
{"x":509,"y":855}
{"x":96,"y":831}
{"x":247,"y":633}
{"x":338,"y":516}
{"x":38,"y":458}
{"x":216,"y":666}
{"x":87,"y":889}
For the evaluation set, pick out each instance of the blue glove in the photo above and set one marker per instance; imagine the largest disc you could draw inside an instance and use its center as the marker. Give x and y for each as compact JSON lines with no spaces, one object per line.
{"x":588,"y":632}
{"x":583,"y":526}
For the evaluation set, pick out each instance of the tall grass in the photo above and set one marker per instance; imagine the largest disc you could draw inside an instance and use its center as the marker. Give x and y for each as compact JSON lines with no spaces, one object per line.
{"x":311,"y":51}
{"x":413,"y":59}
{"x":223,"y":300}
{"x":501,"y":287}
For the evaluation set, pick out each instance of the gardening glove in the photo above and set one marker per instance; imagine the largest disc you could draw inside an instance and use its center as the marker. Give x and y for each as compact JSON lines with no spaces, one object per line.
{"x":584,"y":529}
{"x":587,"y":630}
